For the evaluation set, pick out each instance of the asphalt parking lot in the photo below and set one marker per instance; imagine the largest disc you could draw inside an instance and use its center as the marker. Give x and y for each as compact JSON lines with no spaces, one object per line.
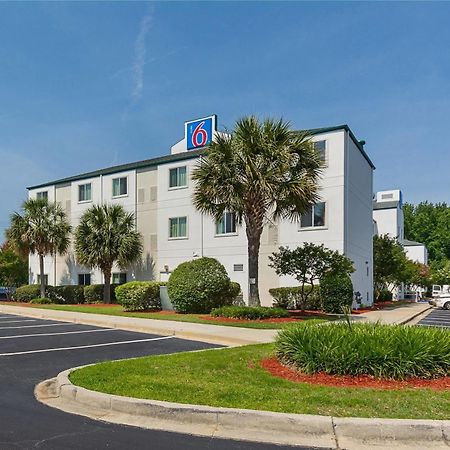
{"x":32,"y":350}
{"x":436,"y":318}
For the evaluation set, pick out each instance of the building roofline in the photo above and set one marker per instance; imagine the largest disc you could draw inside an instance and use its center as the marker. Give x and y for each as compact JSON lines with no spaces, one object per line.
{"x":394,"y":204}
{"x":408,"y":243}
{"x":153,"y":162}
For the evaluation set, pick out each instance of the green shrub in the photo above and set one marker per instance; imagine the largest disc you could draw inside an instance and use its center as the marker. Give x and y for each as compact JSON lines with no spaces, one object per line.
{"x":138,"y":295}
{"x":382,"y":351}
{"x":249,"y":312}
{"x":198,"y":286}
{"x":41,"y":301}
{"x":93,"y":293}
{"x":336,"y":292}
{"x":28,"y":292}
{"x":384,"y":296}
{"x":291,"y":298}
{"x":70,"y":294}
{"x":233,"y":292}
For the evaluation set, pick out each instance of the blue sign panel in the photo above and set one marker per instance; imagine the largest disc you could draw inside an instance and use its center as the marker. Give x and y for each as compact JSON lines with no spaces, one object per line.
{"x":200,"y":132}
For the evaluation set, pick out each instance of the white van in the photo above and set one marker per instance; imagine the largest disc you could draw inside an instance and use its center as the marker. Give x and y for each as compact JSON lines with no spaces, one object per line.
{"x":441,"y":296}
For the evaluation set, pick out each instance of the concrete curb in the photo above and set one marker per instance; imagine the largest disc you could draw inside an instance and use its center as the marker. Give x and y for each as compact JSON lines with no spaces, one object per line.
{"x":213,"y":334}
{"x":410,"y":319}
{"x":241,"y":424}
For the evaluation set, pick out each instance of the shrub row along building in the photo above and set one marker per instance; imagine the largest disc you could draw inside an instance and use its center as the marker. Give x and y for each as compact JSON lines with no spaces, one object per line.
{"x":159,"y":193}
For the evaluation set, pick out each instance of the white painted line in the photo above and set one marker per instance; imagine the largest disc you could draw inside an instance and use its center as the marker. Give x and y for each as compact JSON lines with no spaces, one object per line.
{"x":17,"y":321}
{"x":45,"y":350}
{"x":39,"y":326}
{"x":58,"y":334}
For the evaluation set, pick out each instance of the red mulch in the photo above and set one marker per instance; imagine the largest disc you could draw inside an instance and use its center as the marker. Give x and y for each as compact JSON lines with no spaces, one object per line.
{"x":272,"y":320}
{"x":275,"y":368}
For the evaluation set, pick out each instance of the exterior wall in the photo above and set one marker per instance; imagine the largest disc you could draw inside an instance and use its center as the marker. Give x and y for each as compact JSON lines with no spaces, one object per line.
{"x":358,"y":235}
{"x":417,"y":253}
{"x":389,"y":221}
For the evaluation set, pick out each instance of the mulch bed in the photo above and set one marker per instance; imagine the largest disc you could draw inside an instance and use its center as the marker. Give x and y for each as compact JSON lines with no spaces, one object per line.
{"x":275,"y":368}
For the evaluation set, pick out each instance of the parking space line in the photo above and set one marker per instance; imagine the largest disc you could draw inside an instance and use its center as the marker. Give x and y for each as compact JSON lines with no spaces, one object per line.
{"x":58,"y":334}
{"x":18,"y":321}
{"x":45,"y":350}
{"x":39,"y":326}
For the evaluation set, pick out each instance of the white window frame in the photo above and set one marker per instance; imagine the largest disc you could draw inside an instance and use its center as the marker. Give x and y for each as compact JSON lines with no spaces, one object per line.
{"x":119,"y":274}
{"x":175,"y":238}
{"x":84,"y":275}
{"x":112,"y":187}
{"x":231,"y":233}
{"x":45,"y":278}
{"x":173,"y":188}
{"x":83,"y":185}
{"x":41,"y":193}
{"x":325,"y":159}
{"x":318,"y":227}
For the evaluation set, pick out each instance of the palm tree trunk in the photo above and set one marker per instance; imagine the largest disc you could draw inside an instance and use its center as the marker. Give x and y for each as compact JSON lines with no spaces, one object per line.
{"x":254,"y":241}
{"x":41,"y":270}
{"x":107,"y":286}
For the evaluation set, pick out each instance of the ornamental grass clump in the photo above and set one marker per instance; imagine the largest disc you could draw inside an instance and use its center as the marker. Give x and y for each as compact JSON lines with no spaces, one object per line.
{"x":383,"y":351}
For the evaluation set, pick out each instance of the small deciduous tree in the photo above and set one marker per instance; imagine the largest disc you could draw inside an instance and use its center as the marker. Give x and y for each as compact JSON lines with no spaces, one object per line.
{"x":308,"y":264}
{"x":107,"y":235}
{"x":13,"y":270}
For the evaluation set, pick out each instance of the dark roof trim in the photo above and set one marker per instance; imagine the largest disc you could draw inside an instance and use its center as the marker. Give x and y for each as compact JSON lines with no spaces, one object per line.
{"x":386,"y":205}
{"x":408,"y":243}
{"x":359,"y":144}
{"x":124,"y":167}
{"x":183,"y":156}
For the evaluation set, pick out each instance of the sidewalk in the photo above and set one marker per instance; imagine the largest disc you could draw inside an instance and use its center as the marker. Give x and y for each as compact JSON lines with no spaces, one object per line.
{"x":397,"y":316}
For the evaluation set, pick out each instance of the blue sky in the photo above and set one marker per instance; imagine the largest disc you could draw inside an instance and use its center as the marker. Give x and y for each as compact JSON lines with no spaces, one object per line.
{"x":88,"y":85}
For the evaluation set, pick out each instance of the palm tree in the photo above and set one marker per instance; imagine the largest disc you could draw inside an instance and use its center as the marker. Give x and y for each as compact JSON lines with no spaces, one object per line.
{"x":107,"y":235}
{"x":260,"y":172}
{"x":42,"y":229}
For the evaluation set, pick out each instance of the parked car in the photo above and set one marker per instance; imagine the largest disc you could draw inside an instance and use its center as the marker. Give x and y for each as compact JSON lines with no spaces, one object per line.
{"x":441,"y":300}
{"x":4,"y":291}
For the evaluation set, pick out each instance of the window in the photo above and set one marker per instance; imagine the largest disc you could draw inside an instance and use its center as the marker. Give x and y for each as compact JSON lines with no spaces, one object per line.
{"x":321,"y":147}
{"x":177,"y":177}
{"x":85,"y":192}
{"x":42,"y":195}
{"x":84,"y":279}
{"x":177,"y":227}
{"x":45,"y":279}
{"x":226,"y":225}
{"x":119,"y":186}
{"x":314,"y":217}
{"x":119,"y":278}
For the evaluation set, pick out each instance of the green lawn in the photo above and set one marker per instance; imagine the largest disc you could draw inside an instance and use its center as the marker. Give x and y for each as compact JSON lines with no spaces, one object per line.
{"x":116,"y":310}
{"x":233,"y":377}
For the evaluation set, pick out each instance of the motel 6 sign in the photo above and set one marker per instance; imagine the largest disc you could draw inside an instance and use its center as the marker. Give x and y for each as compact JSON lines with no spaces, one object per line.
{"x":200,"y":132}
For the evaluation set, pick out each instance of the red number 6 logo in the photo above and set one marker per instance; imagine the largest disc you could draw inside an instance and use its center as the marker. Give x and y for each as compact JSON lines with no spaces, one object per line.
{"x":199,"y":136}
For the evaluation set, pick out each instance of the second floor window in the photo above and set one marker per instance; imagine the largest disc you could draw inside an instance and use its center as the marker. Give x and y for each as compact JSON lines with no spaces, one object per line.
{"x":177,"y":227}
{"x":314,"y":217}
{"x":119,"y":186}
{"x":321,"y":147}
{"x":177,"y":177}
{"x":85,"y":192}
{"x":42,"y":195}
{"x":226,"y":225}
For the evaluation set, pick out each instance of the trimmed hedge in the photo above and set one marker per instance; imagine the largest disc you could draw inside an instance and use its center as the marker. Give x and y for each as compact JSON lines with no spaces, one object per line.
{"x":139,"y":295}
{"x":383,"y":351}
{"x":336,"y":292}
{"x":28,"y":292}
{"x":93,"y":293}
{"x":291,"y":298}
{"x":249,"y":312}
{"x":41,"y":301}
{"x":198,"y":286}
{"x":69,"y":294}
{"x":233,"y":292}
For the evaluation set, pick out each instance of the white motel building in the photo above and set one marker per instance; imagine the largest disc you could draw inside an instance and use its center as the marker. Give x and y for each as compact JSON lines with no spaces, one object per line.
{"x":159,"y":193}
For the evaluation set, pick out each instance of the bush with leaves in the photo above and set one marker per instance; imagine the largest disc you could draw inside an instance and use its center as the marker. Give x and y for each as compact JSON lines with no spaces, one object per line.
{"x":384,"y":296}
{"x":28,"y":292}
{"x":308,"y":264}
{"x":42,"y":301}
{"x":289,"y":297}
{"x":336,"y":292}
{"x":94,"y":293}
{"x":139,"y":295}
{"x":198,"y":286}
{"x":249,"y":312}
{"x":69,"y":294}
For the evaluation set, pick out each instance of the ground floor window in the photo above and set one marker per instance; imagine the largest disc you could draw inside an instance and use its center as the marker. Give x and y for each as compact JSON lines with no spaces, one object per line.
{"x":227,"y":224}
{"x":119,"y":278}
{"x":45,"y":279}
{"x":84,"y":279}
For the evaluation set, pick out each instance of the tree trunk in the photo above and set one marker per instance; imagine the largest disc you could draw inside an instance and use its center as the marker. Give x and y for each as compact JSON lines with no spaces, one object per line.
{"x":254,"y":241}
{"x":107,"y":287}
{"x":41,"y":270}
